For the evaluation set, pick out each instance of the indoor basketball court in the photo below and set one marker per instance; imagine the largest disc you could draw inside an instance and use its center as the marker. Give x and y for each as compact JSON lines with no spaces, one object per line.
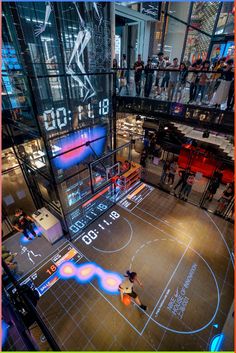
{"x":182,"y":256}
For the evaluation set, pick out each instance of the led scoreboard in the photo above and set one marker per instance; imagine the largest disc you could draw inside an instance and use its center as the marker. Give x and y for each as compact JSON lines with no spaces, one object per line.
{"x":60,"y":118}
{"x":47,"y":275}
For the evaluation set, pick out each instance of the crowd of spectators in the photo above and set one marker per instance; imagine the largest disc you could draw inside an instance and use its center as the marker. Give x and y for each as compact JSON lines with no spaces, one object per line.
{"x":202,"y":82}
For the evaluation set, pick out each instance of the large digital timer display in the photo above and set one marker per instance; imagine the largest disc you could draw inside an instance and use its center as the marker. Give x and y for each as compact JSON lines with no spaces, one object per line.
{"x":80,"y":221}
{"x":104,"y":224}
{"x":58,"y":119}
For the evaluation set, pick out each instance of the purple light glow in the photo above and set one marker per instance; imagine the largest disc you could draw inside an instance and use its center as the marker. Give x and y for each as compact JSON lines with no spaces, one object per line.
{"x":67,"y":270}
{"x":84,"y":273}
{"x":24,"y":240}
{"x":109,"y":282}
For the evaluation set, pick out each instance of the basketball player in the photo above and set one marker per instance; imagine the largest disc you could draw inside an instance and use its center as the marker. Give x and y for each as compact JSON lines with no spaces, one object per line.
{"x":126,"y":287}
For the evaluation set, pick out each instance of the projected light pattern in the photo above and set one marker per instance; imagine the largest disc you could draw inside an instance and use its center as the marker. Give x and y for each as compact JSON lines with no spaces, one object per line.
{"x":5,"y":327}
{"x":77,"y":139}
{"x":24,"y":240}
{"x":67,"y":270}
{"x":109,"y":282}
{"x":216,"y":343}
{"x":85,"y":273}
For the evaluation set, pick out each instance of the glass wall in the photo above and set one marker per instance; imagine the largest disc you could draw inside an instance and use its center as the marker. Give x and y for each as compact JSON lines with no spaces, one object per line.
{"x":179,"y":10}
{"x":66,"y":50}
{"x":174,"y":39}
{"x":202,"y":22}
{"x":197,"y":46}
{"x":225,"y":23}
{"x":203,"y":15}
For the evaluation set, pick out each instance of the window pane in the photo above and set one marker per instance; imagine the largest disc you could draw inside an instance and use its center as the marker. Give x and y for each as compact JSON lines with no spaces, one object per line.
{"x":179,"y":10}
{"x":174,"y":39}
{"x":203,"y":15}
{"x":226,"y":21}
{"x":197,"y":46}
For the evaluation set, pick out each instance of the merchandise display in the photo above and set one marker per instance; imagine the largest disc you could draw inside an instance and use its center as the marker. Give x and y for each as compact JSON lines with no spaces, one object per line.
{"x":128,"y":125}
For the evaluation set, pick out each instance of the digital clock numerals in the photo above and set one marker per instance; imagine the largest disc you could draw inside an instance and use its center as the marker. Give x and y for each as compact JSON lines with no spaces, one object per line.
{"x":93,"y":234}
{"x":54,"y":120}
{"x":77,"y":226}
{"x":51,"y":269}
{"x":58,"y":119}
{"x":89,"y":237}
{"x":104,"y":107}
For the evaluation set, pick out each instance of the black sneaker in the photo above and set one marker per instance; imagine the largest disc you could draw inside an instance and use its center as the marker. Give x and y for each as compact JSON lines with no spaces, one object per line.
{"x":144,"y":307}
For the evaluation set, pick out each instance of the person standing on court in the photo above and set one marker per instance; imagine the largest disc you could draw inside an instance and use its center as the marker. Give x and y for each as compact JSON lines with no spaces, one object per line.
{"x":138,"y":67}
{"x":23,"y":223}
{"x":126,"y":287}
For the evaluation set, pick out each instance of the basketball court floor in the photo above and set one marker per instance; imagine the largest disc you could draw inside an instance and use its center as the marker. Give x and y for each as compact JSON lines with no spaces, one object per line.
{"x":183,"y":256}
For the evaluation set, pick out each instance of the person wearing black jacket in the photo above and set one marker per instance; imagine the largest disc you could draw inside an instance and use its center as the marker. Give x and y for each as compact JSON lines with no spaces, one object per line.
{"x":183,"y":73}
{"x":138,"y":67}
{"x":182,"y":180}
{"x":148,"y":71}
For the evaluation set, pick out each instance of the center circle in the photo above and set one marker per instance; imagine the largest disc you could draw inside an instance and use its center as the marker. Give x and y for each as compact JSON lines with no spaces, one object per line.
{"x":116,"y":238}
{"x":199,"y":290}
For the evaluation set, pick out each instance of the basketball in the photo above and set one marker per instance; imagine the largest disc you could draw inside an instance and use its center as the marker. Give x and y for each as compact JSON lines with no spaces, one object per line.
{"x":126,"y":299}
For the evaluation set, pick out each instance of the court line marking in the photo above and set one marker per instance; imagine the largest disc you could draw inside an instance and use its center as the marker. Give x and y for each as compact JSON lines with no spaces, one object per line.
{"x":210,"y":335}
{"x":124,"y":246}
{"x":217,"y":306}
{"x":161,"y":230}
{"x":109,"y":300}
{"x":144,"y":197}
{"x":222,"y":236}
{"x":113,"y":306}
{"x":165,"y":222}
{"x":217,"y":288}
{"x":42,"y":262}
{"x":170,"y":279}
{"x":149,"y":317}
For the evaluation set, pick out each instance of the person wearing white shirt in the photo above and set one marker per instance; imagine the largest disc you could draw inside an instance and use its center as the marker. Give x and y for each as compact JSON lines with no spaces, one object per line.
{"x":126,"y":287}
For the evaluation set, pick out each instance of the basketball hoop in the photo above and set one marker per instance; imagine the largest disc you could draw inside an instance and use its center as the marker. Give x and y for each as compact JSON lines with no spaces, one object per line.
{"x":117,"y":182}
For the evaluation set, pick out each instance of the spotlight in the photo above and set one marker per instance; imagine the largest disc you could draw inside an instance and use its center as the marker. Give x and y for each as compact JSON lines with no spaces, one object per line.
{"x":206,"y":134}
{"x":166,"y":128}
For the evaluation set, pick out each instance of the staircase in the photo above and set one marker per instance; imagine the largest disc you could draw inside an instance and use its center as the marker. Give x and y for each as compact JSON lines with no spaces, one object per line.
{"x":226,"y":148}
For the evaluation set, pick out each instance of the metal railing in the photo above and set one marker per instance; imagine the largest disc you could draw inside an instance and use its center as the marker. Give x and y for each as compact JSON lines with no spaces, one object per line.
{"x":206,"y":88}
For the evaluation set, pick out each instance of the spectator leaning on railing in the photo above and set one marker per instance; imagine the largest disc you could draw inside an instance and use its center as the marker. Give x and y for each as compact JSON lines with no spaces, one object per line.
{"x":202,"y":84}
{"x":183,"y":73}
{"x":193,"y":79}
{"x":173,"y":78}
{"x":221,"y":94}
{"x":214,"y":79}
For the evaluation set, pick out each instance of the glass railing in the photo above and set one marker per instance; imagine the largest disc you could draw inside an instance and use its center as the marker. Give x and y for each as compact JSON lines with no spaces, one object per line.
{"x":204,"y":88}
